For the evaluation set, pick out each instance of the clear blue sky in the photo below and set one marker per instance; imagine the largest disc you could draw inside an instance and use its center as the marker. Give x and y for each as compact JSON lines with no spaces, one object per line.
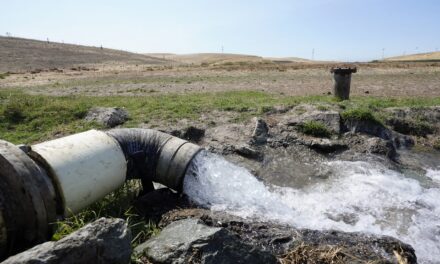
{"x":335,"y":29}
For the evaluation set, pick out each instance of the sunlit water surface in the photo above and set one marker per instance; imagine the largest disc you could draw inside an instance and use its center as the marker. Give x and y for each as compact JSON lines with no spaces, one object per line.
{"x":358,"y":196}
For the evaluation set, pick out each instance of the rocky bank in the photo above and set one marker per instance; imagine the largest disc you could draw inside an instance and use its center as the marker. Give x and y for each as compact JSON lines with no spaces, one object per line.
{"x":292,"y":137}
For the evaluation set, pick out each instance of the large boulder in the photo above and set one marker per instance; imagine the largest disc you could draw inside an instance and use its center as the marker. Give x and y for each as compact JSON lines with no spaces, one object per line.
{"x":282,"y":240}
{"x":330,"y":119}
{"x":103,"y":241}
{"x":369,"y":127}
{"x":107,"y":116}
{"x":191,"y":241}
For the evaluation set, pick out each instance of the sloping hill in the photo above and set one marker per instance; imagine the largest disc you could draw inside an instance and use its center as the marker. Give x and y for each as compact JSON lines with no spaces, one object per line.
{"x":221,"y":58}
{"x":210,"y":58}
{"x":430,"y":56}
{"x":17,"y":54}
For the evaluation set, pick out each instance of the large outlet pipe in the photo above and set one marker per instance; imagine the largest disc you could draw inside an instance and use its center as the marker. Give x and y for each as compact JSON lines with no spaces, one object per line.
{"x":51,"y":180}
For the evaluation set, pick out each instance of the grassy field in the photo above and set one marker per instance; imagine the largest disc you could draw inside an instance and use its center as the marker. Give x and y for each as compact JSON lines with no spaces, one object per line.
{"x":31,"y":118}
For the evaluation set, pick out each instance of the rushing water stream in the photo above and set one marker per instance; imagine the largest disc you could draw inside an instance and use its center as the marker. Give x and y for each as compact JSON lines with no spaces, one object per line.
{"x":357,"y":196}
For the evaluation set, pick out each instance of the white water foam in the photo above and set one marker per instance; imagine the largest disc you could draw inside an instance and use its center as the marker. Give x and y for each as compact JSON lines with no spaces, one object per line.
{"x":434,"y":174}
{"x":360,"y":196}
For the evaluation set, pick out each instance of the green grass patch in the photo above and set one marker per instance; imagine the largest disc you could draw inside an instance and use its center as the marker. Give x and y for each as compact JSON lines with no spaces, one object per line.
{"x":30,"y":118}
{"x":314,"y":128}
{"x":117,"y":205}
{"x":361,"y":114}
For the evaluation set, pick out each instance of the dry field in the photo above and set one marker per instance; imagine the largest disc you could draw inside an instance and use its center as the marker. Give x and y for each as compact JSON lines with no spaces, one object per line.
{"x":37,"y":67}
{"x":430,"y":56}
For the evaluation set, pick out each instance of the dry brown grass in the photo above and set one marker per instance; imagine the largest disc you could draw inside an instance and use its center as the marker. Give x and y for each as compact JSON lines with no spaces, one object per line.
{"x":417,"y":57}
{"x":308,"y":254}
{"x":207,"y":58}
{"x":21,"y":55}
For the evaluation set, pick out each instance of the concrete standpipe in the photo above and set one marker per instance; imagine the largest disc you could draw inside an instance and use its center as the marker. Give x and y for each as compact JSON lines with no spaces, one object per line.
{"x":342,"y":81}
{"x":46,"y":182}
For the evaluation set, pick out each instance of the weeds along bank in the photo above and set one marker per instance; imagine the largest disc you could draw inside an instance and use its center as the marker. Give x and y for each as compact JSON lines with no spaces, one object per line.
{"x":30,"y":118}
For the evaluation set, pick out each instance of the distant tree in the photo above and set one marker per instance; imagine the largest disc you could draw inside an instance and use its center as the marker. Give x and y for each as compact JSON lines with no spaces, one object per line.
{"x":8,"y":34}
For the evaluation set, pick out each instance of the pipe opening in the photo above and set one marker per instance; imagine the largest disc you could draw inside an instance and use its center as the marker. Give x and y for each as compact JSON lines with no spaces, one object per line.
{"x":57,"y":178}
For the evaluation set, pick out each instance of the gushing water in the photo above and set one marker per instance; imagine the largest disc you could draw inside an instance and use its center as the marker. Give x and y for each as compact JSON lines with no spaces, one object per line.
{"x":358,"y":196}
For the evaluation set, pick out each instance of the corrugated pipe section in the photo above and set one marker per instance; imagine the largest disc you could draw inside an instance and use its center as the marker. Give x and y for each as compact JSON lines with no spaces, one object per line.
{"x":54,"y":179}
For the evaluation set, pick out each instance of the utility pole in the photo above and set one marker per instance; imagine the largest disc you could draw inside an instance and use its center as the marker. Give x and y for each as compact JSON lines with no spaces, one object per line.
{"x":223,"y":49}
{"x":383,"y":53}
{"x":313,"y":53}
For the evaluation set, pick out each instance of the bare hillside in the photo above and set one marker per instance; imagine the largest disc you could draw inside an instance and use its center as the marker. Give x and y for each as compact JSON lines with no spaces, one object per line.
{"x":430,"y":56}
{"x":18,"y":55}
{"x":209,"y":58}
{"x":222,"y":58}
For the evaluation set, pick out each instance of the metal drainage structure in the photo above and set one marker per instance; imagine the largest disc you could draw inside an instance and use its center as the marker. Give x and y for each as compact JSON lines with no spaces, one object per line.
{"x":342,"y":81}
{"x":46,"y":182}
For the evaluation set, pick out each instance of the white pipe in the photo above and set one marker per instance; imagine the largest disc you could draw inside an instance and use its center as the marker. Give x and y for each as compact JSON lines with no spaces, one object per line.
{"x":85,"y":167}
{"x":61,"y":177}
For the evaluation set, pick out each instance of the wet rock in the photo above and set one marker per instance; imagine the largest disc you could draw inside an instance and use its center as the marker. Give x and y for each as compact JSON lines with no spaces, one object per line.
{"x":327,"y":145}
{"x":229,"y":134}
{"x":427,"y":114}
{"x":369,"y":127}
{"x":108,"y":116}
{"x":410,"y":126}
{"x":381,"y":147}
{"x":191,"y":241}
{"x":103,"y":241}
{"x":322,"y":144}
{"x":154,"y":204}
{"x":282,"y":239}
{"x":190,"y":133}
{"x":248,"y":152}
{"x":331,"y":119}
{"x":402,"y":141}
{"x":348,"y":218}
{"x":361,"y":144}
{"x":261,"y":131}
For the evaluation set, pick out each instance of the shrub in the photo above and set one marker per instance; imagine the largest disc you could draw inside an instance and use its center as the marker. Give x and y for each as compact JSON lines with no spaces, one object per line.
{"x":314,"y":128}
